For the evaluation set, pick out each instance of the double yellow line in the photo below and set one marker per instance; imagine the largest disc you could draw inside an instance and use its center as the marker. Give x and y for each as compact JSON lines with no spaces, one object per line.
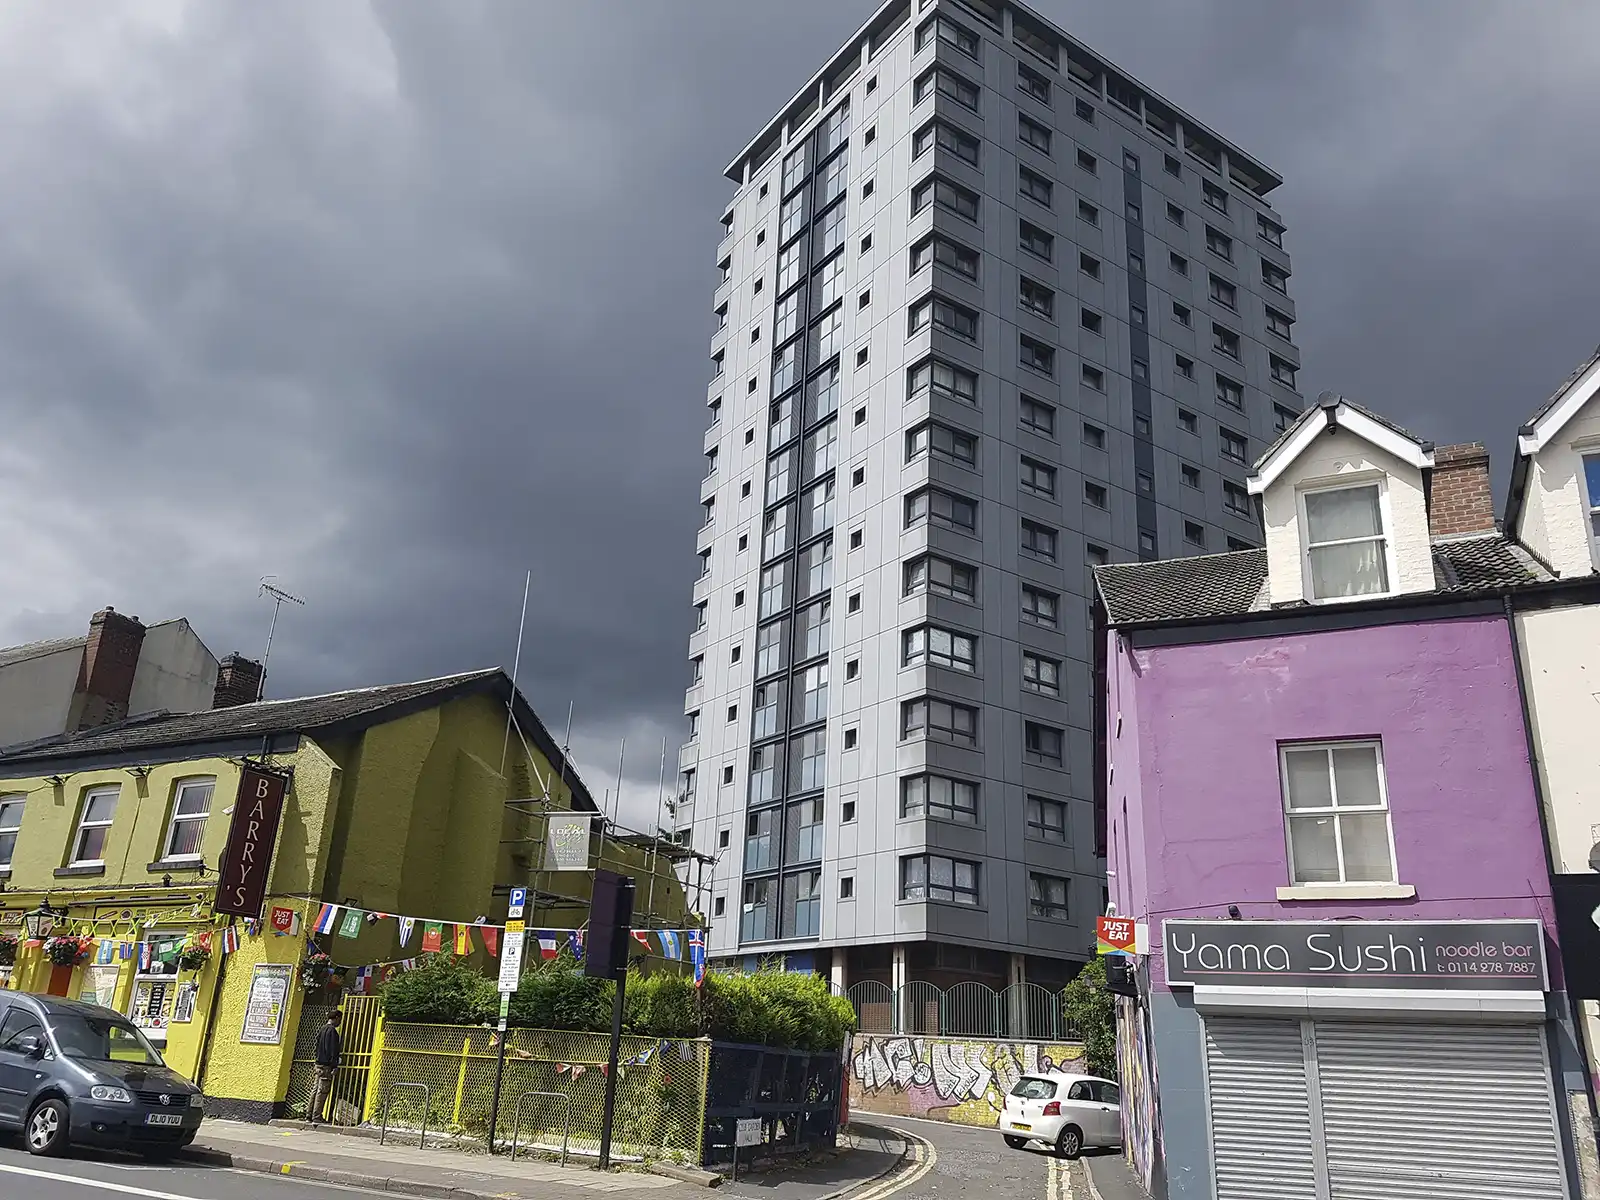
{"x":1058,"y":1184}
{"x":922,"y":1156}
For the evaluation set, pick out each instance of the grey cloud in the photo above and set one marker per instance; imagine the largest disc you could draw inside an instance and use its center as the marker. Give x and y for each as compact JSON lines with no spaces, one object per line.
{"x":398,"y":301}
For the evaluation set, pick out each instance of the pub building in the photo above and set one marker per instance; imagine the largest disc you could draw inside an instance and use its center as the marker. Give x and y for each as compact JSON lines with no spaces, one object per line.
{"x":1319,"y":813}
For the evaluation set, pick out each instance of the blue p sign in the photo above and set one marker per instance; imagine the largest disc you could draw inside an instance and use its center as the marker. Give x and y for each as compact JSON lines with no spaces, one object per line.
{"x":519,"y":897}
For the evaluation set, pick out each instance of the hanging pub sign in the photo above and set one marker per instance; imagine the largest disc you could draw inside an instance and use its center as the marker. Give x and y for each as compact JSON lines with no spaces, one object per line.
{"x":567,"y":842}
{"x":242,"y":874}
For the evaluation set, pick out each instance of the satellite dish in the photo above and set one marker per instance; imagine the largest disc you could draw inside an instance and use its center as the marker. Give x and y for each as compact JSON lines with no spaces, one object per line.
{"x":1594,"y":857}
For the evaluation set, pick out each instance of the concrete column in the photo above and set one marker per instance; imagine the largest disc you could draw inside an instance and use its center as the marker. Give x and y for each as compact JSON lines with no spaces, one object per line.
{"x":1016,"y":1014}
{"x":897,"y":978}
{"x":839,"y":969}
{"x":1018,"y":972}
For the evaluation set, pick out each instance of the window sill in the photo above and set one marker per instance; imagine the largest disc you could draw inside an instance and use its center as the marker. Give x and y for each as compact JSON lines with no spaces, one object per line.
{"x":81,"y":869}
{"x":1348,"y":891}
{"x":176,"y":864}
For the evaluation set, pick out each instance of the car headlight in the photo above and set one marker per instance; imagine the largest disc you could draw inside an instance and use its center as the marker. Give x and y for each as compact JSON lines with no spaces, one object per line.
{"x":197,"y":1101}
{"x":119,"y":1095}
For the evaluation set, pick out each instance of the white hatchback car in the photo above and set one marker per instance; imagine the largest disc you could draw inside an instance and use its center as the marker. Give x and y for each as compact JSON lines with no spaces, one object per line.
{"x":1070,"y":1112}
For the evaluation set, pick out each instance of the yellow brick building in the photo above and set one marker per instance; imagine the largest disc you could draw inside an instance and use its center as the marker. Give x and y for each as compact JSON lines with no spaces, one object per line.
{"x":407,"y":799}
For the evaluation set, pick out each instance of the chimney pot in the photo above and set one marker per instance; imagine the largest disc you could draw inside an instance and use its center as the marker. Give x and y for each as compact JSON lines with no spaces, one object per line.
{"x":105,"y":673}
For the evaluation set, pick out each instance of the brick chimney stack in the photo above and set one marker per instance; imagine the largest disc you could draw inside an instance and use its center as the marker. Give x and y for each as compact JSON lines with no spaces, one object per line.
{"x":238,"y":682}
{"x":1459,"y":501}
{"x":105,"y":675}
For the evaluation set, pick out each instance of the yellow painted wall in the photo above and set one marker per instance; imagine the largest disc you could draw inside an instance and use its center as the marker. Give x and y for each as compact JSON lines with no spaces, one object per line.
{"x":407,"y":817}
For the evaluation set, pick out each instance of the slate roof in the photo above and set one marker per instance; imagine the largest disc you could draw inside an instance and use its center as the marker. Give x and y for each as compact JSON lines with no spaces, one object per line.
{"x":1566,"y":383}
{"x":348,"y":711}
{"x":1231,"y":585}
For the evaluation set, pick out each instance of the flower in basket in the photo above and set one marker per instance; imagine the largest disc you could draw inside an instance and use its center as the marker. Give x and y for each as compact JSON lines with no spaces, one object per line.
{"x":8,"y":949}
{"x":68,"y":950}
{"x":194,"y":954}
{"x":315,"y":970}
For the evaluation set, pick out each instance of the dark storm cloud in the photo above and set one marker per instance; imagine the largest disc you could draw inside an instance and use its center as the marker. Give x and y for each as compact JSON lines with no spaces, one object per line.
{"x":397,"y":302}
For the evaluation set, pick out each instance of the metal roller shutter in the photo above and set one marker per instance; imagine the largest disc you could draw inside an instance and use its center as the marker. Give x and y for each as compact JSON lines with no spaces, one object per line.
{"x":1446,"y":1112}
{"x":1260,"y":1116}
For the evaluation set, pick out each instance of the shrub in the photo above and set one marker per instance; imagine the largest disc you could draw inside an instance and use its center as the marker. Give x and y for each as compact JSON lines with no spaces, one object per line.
{"x":440,"y":990}
{"x":555,"y":995}
{"x":1092,"y":1011}
{"x":662,"y":1005}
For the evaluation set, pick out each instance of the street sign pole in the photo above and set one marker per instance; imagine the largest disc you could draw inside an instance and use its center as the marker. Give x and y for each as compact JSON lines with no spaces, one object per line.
{"x":510,"y":976}
{"x":610,"y":916}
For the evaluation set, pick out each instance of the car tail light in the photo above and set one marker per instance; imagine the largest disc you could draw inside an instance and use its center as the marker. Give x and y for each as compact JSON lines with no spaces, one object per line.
{"x":1053,"y":1109}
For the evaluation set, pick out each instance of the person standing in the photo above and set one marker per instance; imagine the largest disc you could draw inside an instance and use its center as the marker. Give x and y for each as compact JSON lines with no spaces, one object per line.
{"x":330,"y":1046}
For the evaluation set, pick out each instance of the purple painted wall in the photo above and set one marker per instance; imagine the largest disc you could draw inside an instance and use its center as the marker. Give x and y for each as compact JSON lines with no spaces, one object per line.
{"x":1195,"y":768}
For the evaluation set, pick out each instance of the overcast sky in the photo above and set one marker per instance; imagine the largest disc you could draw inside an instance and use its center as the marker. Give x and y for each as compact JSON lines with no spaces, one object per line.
{"x":397,"y":301}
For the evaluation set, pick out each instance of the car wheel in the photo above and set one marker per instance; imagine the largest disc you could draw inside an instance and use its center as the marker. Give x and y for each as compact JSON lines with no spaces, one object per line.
{"x":46,"y":1129}
{"x":1069,"y":1142}
{"x":1015,"y":1143}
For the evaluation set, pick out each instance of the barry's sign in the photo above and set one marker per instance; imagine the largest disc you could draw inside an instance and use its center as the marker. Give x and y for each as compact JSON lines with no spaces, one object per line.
{"x":242,"y":874}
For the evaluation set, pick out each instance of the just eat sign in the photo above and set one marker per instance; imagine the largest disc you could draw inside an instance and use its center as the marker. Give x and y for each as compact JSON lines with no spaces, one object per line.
{"x":242,"y":885}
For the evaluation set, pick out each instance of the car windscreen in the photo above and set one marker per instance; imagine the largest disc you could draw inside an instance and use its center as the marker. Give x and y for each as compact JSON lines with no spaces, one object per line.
{"x":1034,"y":1089}
{"x":102,"y":1039}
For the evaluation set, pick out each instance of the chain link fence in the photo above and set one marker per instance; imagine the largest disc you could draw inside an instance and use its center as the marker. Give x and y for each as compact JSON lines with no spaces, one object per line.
{"x":661,"y":1088}
{"x":793,"y":1092}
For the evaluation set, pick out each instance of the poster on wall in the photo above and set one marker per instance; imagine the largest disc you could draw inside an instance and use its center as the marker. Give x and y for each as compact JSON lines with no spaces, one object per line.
{"x":100,"y":985}
{"x":265,"y":1010}
{"x":183,"y":1007}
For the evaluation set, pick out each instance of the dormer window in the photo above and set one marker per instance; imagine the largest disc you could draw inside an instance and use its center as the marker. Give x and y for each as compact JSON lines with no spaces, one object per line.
{"x":1346,"y":548}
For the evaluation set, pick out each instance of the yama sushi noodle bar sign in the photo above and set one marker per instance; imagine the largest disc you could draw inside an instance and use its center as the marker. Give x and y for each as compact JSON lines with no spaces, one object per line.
{"x":1499,"y":956}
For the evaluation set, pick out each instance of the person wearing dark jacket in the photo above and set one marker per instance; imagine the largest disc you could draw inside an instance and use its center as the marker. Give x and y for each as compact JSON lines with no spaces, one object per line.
{"x":330,"y":1046}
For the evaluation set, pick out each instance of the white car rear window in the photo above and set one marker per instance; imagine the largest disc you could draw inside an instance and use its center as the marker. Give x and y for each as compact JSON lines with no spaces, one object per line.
{"x":1029,"y":1088}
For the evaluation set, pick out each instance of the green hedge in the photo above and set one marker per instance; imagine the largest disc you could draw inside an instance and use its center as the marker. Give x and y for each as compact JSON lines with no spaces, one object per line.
{"x":768,"y":1008}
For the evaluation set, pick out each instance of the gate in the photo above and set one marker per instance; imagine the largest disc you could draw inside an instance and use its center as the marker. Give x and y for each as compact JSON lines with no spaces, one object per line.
{"x":360,"y":1029}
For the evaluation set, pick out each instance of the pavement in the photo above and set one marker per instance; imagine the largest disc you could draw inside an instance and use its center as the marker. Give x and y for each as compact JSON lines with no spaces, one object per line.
{"x":1111,"y":1178}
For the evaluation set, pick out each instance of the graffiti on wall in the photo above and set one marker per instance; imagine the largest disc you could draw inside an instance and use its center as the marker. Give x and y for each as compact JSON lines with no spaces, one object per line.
{"x":952,"y":1079}
{"x":1136,"y":1070}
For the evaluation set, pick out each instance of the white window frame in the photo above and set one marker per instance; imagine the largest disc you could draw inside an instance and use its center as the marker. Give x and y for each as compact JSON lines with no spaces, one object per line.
{"x":1385,"y":518}
{"x":1591,"y":508}
{"x":1284,"y":750}
{"x":175,"y":821}
{"x":115,"y":792}
{"x":11,"y":810}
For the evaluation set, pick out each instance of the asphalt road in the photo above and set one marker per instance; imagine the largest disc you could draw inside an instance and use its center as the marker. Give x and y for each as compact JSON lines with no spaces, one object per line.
{"x":974,"y":1164}
{"x":87,"y":1175}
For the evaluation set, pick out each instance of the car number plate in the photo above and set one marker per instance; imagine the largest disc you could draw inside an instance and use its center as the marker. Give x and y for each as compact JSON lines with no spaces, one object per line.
{"x":1021,"y":1126}
{"x":163,"y":1119}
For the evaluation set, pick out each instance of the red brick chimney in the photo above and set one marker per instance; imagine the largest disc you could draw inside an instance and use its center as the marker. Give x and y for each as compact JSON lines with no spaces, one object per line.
{"x":238,"y":682}
{"x":1459,"y":501}
{"x":105,"y":676}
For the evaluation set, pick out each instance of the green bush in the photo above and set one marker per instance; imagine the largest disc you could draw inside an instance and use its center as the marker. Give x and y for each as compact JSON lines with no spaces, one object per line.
{"x":765,"y":1008}
{"x":440,"y":990}
{"x":1092,"y":1011}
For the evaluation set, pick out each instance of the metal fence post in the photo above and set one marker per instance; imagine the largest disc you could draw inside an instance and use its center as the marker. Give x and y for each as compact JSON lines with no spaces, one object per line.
{"x":461,"y":1080}
{"x":374,"y":1071}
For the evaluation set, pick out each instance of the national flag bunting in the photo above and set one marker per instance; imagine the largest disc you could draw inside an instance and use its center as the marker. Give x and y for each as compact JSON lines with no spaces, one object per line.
{"x":407,"y":926}
{"x":147,"y":956}
{"x":104,"y":954}
{"x":491,"y":939}
{"x":364,"y":980}
{"x":643,"y":938}
{"x":669,"y":943}
{"x":350,"y":923}
{"x":575,"y":941}
{"x":697,"y":955}
{"x":432,"y":937}
{"x":124,"y":950}
{"x":548,"y":945}
{"x":463,"y":940}
{"x":326,"y":918}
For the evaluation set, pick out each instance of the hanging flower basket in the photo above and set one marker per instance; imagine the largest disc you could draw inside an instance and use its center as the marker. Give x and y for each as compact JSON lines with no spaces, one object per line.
{"x":193,"y":955}
{"x":315,"y":970}
{"x":8,"y":949}
{"x":68,"y":950}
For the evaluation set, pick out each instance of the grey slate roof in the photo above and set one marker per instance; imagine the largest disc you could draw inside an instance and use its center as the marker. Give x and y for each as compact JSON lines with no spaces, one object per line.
{"x":1231,"y":585}
{"x":338,"y":711}
{"x":1566,"y":383}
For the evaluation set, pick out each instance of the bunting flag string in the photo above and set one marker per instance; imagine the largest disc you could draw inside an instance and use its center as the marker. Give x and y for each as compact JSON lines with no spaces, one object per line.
{"x":463,"y":946}
{"x":669,"y":943}
{"x":326,"y":918}
{"x":491,"y":939}
{"x":407,"y":925}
